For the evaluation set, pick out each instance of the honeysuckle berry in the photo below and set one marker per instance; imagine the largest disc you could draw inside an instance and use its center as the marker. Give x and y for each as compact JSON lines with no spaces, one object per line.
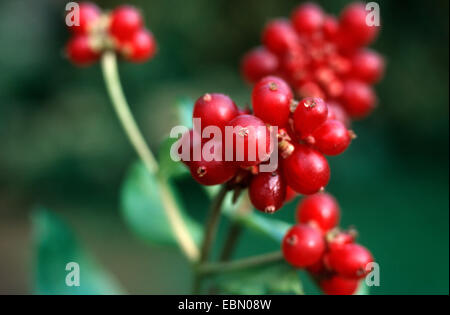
{"x":332,"y":137}
{"x":89,"y":14}
{"x":125,"y":22}
{"x":306,"y":170}
{"x":258,"y":63}
{"x":349,"y":260}
{"x":308,"y":18}
{"x":330,"y":27}
{"x":140,"y":47}
{"x":320,"y":209}
{"x":80,"y":51}
{"x":192,"y":140}
{"x":290,"y":194}
{"x":279,"y":36}
{"x":339,"y":239}
{"x":367,"y":66}
{"x":353,"y":26}
{"x":303,"y":246}
{"x":271,"y":100}
{"x":338,"y":285}
{"x":336,"y":112}
{"x":310,"y":113}
{"x":267,"y":191}
{"x":358,"y":99}
{"x":215,"y":109}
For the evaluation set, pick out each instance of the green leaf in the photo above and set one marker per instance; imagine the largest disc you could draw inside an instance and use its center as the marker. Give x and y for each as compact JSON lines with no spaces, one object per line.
{"x":169,"y":168}
{"x":278,"y":278}
{"x":143,"y":210}
{"x":363,"y":288}
{"x":55,"y":246}
{"x":272,"y":228}
{"x":185,"y":107}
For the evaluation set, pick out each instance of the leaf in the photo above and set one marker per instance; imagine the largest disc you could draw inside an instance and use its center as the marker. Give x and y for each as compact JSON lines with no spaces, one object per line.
{"x":55,"y":246}
{"x":272,"y":228}
{"x":185,"y":107}
{"x":363,"y":288}
{"x":143,"y":210}
{"x":279,"y":278}
{"x":167,"y":166}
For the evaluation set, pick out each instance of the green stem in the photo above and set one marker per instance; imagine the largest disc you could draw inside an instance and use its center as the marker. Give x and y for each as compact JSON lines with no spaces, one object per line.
{"x":122,"y":109}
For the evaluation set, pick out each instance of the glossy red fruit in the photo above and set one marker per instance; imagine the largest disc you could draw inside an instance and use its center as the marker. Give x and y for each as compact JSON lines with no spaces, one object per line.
{"x":308,"y":18}
{"x":353,"y":25}
{"x":190,"y":147}
{"x":320,"y":210}
{"x":338,"y":285}
{"x":125,"y":21}
{"x":271,"y":99}
{"x":214,"y":172}
{"x":258,"y":63}
{"x":336,"y":112}
{"x":303,"y":246}
{"x":341,"y":239}
{"x":310,"y":113}
{"x":358,"y":99}
{"x":267,"y":191}
{"x":310,"y":89}
{"x":349,"y":260}
{"x":290,"y":194}
{"x":251,"y":140}
{"x":306,"y":170}
{"x":332,"y":137}
{"x":215,"y":109}
{"x":279,"y":36}
{"x":79,"y":50}
{"x":367,"y":66}
{"x":140,"y":47}
{"x":330,"y":27}
{"x":89,"y":13}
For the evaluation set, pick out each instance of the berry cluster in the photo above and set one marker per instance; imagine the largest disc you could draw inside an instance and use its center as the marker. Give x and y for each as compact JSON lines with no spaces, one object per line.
{"x":321,"y":56}
{"x":330,"y":255}
{"x":121,"y":30}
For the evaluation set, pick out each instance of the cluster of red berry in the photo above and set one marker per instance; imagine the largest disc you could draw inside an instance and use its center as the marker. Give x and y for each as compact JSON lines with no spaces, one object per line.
{"x":121,"y":30}
{"x":330,"y":255}
{"x":321,"y":56}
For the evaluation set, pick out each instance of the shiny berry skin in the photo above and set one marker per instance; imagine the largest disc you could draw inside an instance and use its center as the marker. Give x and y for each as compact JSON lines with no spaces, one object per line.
{"x":267,"y":191}
{"x":125,"y":21}
{"x":89,"y":13}
{"x":358,"y":99}
{"x":330,"y":27}
{"x":341,"y":239}
{"x":353,"y":25}
{"x":258,"y":63}
{"x":320,"y":210}
{"x":338,"y":285}
{"x":310,"y":113}
{"x":367,"y":66}
{"x":248,"y":130}
{"x":290,"y":194}
{"x":140,"y":47}
{"x":336,"y":112}
{"x":215,"y":109}
{"x":279,"y":36}
{"x":271,"y":99}
{"x":332,"y":137}
{"x":303,"y":246}
{"x":349,"y":260}
{"x":79,"y":50}
{"x":306,"y":170}
{"x":214,"y":172}
{"x":308,"y":18}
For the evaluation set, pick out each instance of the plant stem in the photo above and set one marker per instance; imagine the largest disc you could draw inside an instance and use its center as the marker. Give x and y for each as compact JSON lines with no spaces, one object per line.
{"x":256,"y":261}
{"x":234,"y":233}
{"x":122,"y":109}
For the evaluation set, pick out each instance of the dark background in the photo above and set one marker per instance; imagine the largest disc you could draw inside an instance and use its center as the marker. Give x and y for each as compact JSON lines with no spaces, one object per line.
{"x":61,"y":145}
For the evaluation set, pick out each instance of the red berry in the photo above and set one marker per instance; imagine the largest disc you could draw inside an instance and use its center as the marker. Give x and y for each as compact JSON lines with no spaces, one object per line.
{"x":306,"y":170}
{"x":341,"y":239}
{"x":279,"y":36}
{"x":338,"y":285}
{"x":319,"y":209}
{"x":267,"y":191}
{"x":215,"y":109}
{"x":358,"y":99}
{"x":271,"y":99}
{"x":310,"y":113}
{"x":190,"y":141}
{"x":336,"y":112}
{"x":290,"y":194}
{"x":214,"y":172}
{"x":330,"y":27}
{"x":367,"y":66}
{"x":354,"y":26}
{"x":79,"y":50}
{"x":349,"y":260}
{"x":258,"y":63}
{"x":125,"y":21}
{"x":89,"y":13}
{"x":332,"y":137}
{"x":140,"y":47}
{"x":303,"y":246}
{"x":308,"y":18}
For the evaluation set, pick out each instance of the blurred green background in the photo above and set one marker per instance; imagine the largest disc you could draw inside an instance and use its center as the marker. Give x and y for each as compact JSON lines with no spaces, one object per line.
{"x":61,"y":145}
